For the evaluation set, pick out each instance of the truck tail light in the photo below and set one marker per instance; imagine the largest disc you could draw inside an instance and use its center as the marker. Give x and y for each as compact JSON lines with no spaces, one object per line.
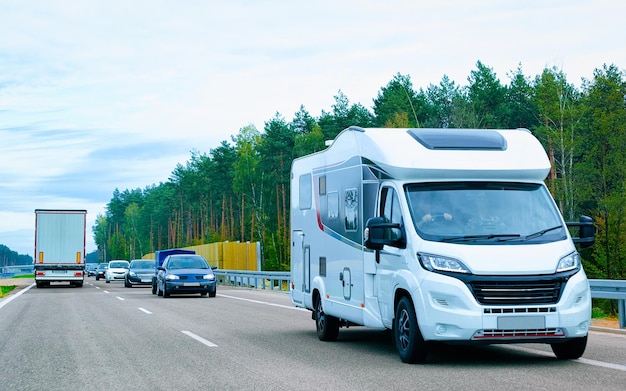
{"x":41,"y":274}
{"x":78,"y":274}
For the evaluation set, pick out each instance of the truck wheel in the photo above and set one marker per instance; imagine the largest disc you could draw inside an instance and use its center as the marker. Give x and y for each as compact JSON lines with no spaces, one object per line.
{"x":409,"y":341}
{"x":327,"y":325}
{"x":571,"y":349}
{"x":39,"y":284}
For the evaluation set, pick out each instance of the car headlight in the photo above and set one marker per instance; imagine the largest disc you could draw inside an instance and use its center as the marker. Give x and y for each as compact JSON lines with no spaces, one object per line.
{"x":442,"y":264}
{"x":209,"y":277}
{"x":132,"y":274}
{"x":172,"y":277}
{"x":569,"y":262}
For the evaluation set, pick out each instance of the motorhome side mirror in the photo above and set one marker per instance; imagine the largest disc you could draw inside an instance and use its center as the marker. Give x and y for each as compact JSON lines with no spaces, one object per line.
{"x":586,"y":231}
{"x":377,"y":235}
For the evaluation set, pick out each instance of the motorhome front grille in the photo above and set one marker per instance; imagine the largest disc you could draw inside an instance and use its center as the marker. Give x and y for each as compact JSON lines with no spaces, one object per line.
{"x":516,"y":292}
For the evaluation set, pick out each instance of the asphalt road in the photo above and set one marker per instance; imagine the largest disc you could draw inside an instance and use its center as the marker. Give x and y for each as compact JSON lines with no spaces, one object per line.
{"x":107,"y":337}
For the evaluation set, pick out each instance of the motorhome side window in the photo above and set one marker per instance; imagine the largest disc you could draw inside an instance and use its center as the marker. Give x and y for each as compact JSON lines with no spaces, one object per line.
{"x":391,"y":212}
{"x":305,"y":195}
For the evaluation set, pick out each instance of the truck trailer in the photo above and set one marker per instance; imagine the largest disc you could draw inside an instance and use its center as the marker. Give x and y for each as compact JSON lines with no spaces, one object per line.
{"x":60,"y":239}
{"x":441,"y":235}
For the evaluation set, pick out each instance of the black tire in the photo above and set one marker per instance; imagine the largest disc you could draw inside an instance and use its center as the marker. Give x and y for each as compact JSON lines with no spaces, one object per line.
{"x":127,"y":284}
{"x":571,"y":349}
{"x":79,"y":284}
{"x":107,"y":281}
{"x":165,"y":292}
{"x":97,"y":278}
{"x":409,"y":341}
{"x":327,"y":325}
{"x":213,"y":292}
{"x":39,"y":284}
{"x":158,"y":290}
{"x":204,"y":293}
{"x":154,"y":288}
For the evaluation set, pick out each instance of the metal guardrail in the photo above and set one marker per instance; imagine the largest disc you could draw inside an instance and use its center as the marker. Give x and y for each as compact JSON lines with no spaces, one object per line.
{"x":251,"y":279}
{"x":611,"y":289}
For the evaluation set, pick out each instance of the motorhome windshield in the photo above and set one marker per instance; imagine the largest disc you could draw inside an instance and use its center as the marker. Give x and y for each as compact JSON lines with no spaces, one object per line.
{"x":477,"y":213}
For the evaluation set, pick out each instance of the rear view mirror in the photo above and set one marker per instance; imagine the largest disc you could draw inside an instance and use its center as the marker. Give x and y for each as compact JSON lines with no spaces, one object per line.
{"x":379,"y":233}
{"x":586,"y":231}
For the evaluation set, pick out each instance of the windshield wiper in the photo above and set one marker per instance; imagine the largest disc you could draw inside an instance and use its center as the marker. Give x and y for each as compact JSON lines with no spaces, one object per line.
{"x":468,"y":238}
{"x":540,"y":233}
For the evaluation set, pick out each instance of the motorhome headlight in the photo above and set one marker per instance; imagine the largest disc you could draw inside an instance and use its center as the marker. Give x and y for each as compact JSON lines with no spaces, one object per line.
{"x":442,"y":264}
{"x":569,"y":262}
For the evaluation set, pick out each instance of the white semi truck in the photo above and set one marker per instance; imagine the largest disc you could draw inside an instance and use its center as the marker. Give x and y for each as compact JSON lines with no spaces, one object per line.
{"x":60,"y":239}
{"x":446,"y":235}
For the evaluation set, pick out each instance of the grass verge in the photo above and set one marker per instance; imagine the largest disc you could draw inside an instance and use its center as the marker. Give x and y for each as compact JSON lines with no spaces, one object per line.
{"x":4,"y":290}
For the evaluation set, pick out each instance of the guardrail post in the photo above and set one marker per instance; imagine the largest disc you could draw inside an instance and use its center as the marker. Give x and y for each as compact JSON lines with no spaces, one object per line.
{"x":621,"y":312}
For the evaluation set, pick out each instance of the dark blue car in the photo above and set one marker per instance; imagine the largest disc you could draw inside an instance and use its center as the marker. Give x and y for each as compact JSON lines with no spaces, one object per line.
{"x":186,"y":274}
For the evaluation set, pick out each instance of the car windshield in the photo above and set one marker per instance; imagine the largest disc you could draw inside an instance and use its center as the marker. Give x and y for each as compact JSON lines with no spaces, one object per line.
{"x":475,"y":213}
{"x":142,"y":265}
{"x":120,"y":265}
{"x":187,"y":263}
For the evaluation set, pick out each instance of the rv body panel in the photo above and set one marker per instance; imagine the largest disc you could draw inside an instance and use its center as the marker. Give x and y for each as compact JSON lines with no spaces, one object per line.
{"x":470,"y":278}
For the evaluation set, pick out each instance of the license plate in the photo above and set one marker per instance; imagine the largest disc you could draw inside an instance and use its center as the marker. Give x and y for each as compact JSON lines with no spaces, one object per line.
{"x":146,"y":280}
{"x":521,"y":322}
{"x":191,"y":284}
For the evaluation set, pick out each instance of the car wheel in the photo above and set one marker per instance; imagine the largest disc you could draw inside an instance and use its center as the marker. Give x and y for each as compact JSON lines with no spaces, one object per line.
{"x":327,"y":325}
{"x":107,"y":281}
{"x":127,"y":284}
{"x":409,"y":341}
{"x":212,"y":293}
{"x":158,"y":289}
{"x":570,"y":350}
{"x":97,"y":278}
{"x":154,"y":288}
{"x":165,"y":292}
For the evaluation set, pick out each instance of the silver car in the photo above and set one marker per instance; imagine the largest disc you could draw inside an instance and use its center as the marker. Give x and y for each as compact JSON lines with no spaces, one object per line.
{"x":117,"y":271}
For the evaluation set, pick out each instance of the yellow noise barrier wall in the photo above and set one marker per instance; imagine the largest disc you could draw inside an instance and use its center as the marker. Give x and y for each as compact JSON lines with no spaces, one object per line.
{"x":227,"y":255}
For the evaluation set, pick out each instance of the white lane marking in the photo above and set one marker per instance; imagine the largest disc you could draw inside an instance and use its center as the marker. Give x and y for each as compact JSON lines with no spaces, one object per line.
{"x":105,"y":291}
{"x":10,"y":298}
{"x":587,"y":361}
{"x":120,"y":298}
{"x":97,"y":287}
{"x":144,"y":310}
{"x":264,"y":302}
{"x":199,"y":339}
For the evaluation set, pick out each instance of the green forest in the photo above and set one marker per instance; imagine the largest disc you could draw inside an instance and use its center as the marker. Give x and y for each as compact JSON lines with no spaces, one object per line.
{"x":239,"y":190}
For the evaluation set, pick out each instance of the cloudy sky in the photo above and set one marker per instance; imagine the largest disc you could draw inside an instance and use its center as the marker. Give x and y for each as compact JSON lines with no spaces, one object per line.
{"x":98,"y":95}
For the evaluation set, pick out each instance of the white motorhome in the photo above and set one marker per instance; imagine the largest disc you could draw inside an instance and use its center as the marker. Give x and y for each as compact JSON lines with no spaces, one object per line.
{"x":443,"y":235}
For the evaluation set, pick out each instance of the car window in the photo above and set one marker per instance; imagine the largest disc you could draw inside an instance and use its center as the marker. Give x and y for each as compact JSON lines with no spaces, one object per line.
{"x":142,"y":265}
{"x":118,"y":265}
{"x":187,"y":263}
